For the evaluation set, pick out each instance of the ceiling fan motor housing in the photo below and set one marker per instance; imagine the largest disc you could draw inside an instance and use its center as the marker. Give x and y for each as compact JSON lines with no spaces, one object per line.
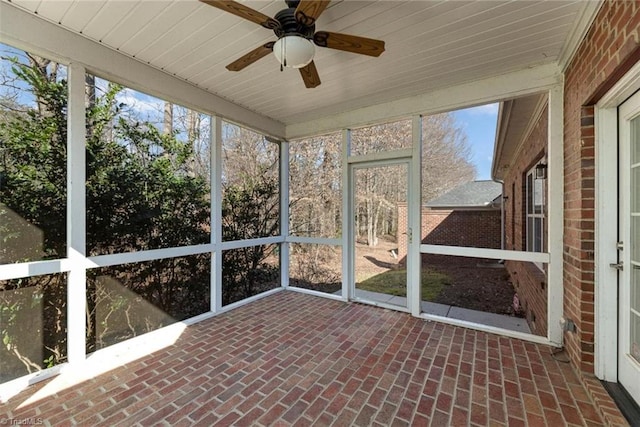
{"x":289,"y":25}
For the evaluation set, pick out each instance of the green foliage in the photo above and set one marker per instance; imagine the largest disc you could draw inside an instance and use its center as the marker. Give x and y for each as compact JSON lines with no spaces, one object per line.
{"x":142,"y":193}
{"x":250,"y":208}
{"x":32,"y":169}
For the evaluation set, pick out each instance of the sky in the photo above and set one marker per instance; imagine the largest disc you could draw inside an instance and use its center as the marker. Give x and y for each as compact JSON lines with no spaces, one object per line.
{"x":479,"y":124}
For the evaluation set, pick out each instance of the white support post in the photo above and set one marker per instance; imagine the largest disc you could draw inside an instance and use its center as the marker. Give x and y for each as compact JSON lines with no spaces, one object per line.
{"x":216,"y":213}
{"x":284,"y":213}
{"x":347,"y":218}
{"x":555,"y":144}
{"x":76,"y":216}
{"x":414,"y":212}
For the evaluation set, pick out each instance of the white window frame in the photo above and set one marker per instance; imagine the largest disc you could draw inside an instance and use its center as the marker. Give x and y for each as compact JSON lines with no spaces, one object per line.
{"x":531,"y":233}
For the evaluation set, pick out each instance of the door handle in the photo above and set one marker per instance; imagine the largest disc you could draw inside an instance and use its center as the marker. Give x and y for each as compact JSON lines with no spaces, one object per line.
{"x":618,"y":266}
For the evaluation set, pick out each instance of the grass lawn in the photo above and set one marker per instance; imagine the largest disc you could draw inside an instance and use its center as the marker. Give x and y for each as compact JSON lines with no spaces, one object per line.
{"x":394,"y":282}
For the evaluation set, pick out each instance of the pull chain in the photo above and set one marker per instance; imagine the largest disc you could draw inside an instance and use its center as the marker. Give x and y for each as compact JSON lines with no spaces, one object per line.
{"x":284,"y":48}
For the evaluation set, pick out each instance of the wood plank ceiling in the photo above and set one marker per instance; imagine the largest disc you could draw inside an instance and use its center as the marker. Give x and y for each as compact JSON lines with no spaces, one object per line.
{"x":429,"y":45}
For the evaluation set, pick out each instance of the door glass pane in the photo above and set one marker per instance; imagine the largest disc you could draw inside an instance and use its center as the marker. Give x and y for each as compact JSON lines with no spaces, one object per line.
{"x":634,"y":315}
{"x":635,"y":140}
{"x":635,"y":286}
{"x":380,"y":233}
{"x":635,"y":336}
{"x":635,"y":184}
{"x":530,"y":194}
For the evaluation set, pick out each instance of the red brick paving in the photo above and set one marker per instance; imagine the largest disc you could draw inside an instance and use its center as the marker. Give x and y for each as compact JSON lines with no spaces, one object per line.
{"x":295,"y":359}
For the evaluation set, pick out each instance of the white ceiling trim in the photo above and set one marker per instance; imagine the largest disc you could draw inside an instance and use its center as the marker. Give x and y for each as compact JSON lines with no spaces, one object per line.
{"x":493,"y":89}
{"x":578,"y":32}
{"x":26,"y":31}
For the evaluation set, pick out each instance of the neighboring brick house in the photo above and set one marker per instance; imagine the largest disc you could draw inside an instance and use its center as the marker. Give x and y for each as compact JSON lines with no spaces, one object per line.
{"x":468,"y":215}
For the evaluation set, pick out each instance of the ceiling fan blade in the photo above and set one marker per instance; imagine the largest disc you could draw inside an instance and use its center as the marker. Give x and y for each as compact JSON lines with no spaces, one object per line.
{"x":309,"y":10}
{"x":310,"y":75}
{"x":245,"y":12}
{"x":251,"y":57}
{"x":349,"y":43}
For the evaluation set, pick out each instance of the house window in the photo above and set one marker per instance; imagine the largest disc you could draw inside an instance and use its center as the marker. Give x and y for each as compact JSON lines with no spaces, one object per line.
{"x":535,"y":198}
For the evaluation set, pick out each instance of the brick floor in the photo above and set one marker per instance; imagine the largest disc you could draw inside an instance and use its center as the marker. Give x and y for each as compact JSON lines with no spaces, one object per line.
{"x":296,"y":359}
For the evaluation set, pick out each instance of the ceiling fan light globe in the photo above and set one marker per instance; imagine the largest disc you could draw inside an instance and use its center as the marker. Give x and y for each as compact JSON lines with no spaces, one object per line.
{"x":294,"y":51}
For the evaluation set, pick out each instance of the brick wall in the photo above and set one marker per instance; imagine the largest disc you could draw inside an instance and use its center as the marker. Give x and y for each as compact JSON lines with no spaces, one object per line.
{"x":471,"y":228}
{"x":529,"y":281}
{"x":609,"y":49}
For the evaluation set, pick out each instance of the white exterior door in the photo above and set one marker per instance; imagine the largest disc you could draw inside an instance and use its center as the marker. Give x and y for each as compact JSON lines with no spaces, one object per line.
{"x":378,"y":265}
{"x":629,"y":234}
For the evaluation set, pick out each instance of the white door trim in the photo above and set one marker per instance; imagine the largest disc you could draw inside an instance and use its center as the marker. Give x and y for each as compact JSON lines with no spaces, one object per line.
{"x":606,"y":224}
{"x":398,"y":157}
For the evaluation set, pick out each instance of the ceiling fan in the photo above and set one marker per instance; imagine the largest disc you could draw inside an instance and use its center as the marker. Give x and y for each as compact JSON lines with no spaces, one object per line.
{"x":296,"y":32}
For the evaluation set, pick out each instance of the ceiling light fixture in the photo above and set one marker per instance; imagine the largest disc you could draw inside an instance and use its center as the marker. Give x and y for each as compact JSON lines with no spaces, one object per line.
{"x":294,"y":51}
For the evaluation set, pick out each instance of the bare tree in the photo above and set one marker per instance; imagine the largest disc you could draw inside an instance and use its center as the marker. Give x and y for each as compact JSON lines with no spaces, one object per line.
{"x":315,"y":186}
{"x":446,"y":156}
{"x":316,"y":175}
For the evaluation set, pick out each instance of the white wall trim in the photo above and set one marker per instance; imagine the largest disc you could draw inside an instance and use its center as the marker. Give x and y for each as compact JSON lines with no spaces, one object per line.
{"x":316,"y":293}
{"x":34,"y":268}
{"x":314,"y":240}
{"x":540,"y":257}
{"x":216,"y":213}
{"x":148,"y":255}
{"x":347,"y":214}
{"x":250,"y":300}
{"x":238,"y":244}
{"x":76,"y":216}
{"x":381,"y":156}
{"x":26,"y":31}
{"x":13,"y":387}
{"x":414,"y":220}
{"x":493,"y":89}
{"x":284,"y":213}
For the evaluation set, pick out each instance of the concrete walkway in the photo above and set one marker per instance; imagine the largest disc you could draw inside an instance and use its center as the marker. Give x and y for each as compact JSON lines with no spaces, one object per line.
{"x":490,"y":319}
